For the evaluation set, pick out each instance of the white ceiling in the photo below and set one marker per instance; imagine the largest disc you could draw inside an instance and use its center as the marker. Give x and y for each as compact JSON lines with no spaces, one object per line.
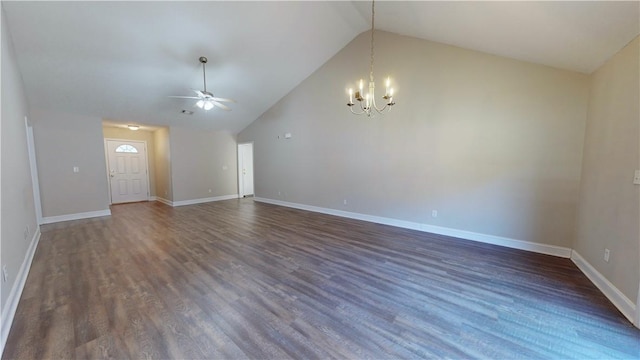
{"x":121,"y":60}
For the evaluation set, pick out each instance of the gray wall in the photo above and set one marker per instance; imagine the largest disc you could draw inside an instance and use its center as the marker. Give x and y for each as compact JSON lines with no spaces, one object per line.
{"x":202,"y":161}
{"x":493,"y":144}
{"x":609,"y":212}
{"x":163,"y":164}
{"x":110,"y":132}
{"x":18,"y":210}
{"x":62,"y":142}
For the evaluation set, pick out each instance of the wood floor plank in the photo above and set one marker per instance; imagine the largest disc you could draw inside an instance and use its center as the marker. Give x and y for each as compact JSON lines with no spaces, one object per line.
{"x":237,"y":279}
{"x":109,"y":346}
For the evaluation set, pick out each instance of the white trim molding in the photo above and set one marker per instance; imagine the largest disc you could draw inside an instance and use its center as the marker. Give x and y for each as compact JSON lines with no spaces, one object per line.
{"x":204,"y":200}
{"x":626,"y":306}
{"x":163,"y":200}
{"x":467,"y":235}
{"x":637,"y":323}
{"x":33,"y":165}
{"x":9,"y":311}
{"x":77,"y":216}
{"x":547,"y":249}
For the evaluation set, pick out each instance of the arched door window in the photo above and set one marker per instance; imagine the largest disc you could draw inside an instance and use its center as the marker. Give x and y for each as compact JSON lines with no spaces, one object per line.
{"x":126,"y":149}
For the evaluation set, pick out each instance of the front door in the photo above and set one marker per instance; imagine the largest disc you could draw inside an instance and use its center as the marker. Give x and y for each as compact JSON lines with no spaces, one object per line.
{"x":128,"y":174}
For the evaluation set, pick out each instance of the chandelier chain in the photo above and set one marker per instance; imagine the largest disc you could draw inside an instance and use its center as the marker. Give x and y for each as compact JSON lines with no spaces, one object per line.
{"x":373,"y":16}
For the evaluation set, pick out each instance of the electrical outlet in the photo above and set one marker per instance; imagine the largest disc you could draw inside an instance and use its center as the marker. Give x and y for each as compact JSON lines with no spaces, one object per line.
{"x":5,"y":273}
{"x":434,"y":213}
{"x":606,"y":255}
{"x":209,"y":190}
{"x":636,"y":177}
{"x":344,"y":201}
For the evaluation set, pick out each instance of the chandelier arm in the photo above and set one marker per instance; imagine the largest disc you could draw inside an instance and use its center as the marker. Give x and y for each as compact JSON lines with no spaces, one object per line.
{"x":380,"y":110}
{"x":357,"y":113}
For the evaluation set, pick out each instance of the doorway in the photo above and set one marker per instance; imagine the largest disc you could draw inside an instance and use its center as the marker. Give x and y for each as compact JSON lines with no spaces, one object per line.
{"x":127,"y":168}
{"x":245,"y":169}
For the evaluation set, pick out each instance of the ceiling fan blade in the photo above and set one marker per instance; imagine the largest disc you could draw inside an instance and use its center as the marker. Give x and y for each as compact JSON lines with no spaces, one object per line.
{"x":199,"y":93}
{"x":223,"y":99}
{"x":184,"y":97}
{"x":221,"y":106}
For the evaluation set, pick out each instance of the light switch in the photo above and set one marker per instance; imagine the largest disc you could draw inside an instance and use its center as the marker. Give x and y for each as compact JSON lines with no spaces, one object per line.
{"x":636,"y":177}
{"x":76,"y":169}
{"x":287,"y":136}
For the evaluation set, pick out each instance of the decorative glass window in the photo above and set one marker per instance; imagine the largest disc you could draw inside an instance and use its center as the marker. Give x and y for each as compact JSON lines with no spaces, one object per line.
{"x":126,"y":149}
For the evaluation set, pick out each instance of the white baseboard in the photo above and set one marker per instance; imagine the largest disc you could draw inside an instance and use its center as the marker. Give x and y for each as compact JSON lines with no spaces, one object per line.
{"x":626,"y":306}
{"x":163,"y":200}
{"x":467,"y":235}
{"x":153,"y":198}
{"x":77,"y":216}
{"x":204,"y":200}
{"x":11,"y":305}
{"x":547,"y":249}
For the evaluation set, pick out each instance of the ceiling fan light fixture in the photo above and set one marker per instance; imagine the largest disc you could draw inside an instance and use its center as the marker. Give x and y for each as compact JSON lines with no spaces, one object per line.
{"x":205,"y":99}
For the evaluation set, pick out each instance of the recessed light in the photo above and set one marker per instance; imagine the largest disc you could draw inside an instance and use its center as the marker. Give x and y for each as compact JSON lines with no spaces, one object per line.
{"x":133,"y":127}
{"x":187,"y":112}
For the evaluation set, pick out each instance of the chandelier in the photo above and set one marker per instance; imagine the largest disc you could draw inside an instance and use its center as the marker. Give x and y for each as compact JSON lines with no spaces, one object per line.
{"x":368,"y":101}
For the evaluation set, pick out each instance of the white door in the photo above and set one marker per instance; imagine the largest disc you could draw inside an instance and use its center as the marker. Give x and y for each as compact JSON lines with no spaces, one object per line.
{"x":127,"y":161}
{"x":245,"y":169}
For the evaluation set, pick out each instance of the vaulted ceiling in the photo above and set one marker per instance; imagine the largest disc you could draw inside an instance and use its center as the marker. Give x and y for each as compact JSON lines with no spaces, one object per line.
{"x":121,"y":60}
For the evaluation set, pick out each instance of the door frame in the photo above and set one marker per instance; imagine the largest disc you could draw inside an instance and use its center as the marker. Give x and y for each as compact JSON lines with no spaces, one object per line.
{"x":240,"y":177}
{"x":33,"y":165}
{"x":146,"y":164}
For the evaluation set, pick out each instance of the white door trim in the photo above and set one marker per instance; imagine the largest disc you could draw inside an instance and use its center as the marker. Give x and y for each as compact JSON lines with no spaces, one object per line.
{"x":637,"y":324}
{"x":146,"y":163}
{"x":33,"y":165}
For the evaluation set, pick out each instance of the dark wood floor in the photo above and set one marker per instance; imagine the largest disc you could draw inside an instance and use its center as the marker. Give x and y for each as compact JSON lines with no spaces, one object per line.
{"x":238,"y":279}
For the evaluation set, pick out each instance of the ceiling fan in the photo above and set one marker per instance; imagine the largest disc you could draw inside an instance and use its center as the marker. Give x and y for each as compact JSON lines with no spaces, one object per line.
{"x":206,"y":100}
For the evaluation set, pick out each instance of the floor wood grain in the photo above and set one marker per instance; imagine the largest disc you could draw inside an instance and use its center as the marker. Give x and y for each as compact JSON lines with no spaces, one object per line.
{"x":237,"y":279}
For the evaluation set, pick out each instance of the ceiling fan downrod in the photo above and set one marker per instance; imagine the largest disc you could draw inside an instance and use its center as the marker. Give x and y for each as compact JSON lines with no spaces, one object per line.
{"x":203,"y":60}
